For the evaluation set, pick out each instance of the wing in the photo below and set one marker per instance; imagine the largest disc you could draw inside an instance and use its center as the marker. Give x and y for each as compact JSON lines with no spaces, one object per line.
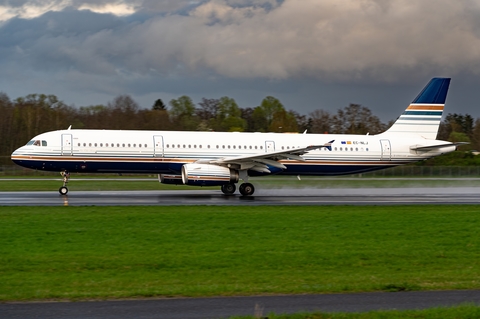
{"x":259,"y":162}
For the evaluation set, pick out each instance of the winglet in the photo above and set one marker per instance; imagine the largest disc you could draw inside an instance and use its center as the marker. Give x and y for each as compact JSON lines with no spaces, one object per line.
{"x":328,"y":146}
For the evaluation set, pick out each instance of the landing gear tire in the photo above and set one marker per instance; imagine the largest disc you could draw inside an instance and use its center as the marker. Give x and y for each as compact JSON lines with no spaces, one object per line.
{"x":228,"y":189}
{"x":63,"y":190}
{"x":246,"y":189}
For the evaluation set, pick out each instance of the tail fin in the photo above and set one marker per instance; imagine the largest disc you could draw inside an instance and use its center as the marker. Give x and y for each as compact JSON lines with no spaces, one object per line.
{"x":422,"y":117}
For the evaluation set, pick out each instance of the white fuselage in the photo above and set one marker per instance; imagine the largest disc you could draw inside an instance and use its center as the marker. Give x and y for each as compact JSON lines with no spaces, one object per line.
{"x":165,"y":152}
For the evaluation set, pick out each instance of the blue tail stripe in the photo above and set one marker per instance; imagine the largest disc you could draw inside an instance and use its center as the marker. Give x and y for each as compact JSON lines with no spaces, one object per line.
{"x":435,"y":92}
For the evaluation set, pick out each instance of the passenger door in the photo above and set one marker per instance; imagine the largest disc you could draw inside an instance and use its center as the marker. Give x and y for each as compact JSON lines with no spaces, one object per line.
{"x":67,"y":144}
{"x":386,"y":150}
{"x":158,"y":146}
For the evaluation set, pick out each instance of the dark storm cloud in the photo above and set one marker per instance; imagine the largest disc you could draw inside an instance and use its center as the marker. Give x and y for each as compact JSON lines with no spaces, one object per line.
{"x":147,"y":46}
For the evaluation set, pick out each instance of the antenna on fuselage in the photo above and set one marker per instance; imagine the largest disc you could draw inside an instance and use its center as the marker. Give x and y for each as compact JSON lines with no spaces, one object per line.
{"x":68,"y":129}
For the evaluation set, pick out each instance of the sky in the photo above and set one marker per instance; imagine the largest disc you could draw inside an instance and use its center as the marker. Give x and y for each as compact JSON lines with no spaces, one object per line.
{"x":310,"y":54}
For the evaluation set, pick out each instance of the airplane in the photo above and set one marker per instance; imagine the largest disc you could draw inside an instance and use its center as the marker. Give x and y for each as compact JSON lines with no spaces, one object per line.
{"x":224,"y":158}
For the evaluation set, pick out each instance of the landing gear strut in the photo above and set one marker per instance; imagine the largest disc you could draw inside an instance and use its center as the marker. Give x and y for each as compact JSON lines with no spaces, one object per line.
{"x":246,"y":189}
{"x":66,"y":176}
{"x":228,"y":189}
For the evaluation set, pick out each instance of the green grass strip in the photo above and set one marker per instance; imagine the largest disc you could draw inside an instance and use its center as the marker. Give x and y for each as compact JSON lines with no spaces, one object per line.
{"x":120,"y":252}
{"x":462,"y":311}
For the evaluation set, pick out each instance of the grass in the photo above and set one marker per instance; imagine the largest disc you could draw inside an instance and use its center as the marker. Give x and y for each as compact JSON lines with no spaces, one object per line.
{"x":123,"y":252}
{"x":461,"y":311}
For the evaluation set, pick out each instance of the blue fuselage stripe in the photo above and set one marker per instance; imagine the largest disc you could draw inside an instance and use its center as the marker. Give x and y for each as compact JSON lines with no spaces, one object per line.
{"x":175,"y":168}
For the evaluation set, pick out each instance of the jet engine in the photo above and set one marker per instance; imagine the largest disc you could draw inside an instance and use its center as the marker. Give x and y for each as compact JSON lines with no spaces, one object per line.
{"x":208,"y":175}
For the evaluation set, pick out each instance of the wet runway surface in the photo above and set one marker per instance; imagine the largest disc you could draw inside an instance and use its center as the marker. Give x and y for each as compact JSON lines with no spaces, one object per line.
{"x":199,"y":308}
{"x":294,"y":196}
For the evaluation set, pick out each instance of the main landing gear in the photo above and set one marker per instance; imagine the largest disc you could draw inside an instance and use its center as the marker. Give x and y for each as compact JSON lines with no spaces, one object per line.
{"x":66,"y":176}
{"x":246,"y":189}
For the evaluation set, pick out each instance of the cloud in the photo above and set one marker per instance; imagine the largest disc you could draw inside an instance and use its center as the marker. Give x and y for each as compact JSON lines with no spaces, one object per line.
{"x":122,"y":43}
{"x":337,"y":39}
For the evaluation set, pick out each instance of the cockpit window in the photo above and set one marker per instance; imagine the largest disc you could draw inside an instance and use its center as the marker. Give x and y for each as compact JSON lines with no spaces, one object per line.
{"x":37,"y":143}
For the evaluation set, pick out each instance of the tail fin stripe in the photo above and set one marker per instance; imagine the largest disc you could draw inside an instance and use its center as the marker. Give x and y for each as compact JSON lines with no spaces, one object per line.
{"x":412,"y":118}
{"x":425,"y":107}
{"x":438,"y":113}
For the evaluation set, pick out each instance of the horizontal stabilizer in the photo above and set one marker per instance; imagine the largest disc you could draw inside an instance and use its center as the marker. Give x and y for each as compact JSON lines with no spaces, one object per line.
{"x":433,"y":147}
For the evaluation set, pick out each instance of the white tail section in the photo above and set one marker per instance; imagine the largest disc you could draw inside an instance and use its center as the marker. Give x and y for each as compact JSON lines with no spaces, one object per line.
{"x":423,"y":116}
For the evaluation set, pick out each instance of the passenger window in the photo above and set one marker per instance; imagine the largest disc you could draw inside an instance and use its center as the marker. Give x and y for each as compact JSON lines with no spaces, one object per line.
{"x":44,"y":143}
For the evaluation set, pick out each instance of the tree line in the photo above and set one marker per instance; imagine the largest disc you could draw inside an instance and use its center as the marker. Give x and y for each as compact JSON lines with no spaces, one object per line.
{"x":25,"y":117}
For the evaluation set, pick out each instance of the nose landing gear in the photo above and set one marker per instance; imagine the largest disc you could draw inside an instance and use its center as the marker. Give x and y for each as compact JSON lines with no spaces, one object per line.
{"x":66,"y":176}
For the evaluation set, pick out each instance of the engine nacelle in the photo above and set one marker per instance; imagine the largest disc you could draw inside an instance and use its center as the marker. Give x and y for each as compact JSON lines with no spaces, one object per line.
{"x":170,"y":179}
{"x":208,"y":175}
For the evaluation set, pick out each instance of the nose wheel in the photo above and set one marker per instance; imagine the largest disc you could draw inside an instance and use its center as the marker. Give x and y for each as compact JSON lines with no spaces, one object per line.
{"x":66,"y":177}
{"x":63,"y":190}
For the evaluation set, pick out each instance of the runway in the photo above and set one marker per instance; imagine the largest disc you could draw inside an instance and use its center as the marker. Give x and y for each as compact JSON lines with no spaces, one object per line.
{"x":260,"y":306}
{"x":284,"y":196}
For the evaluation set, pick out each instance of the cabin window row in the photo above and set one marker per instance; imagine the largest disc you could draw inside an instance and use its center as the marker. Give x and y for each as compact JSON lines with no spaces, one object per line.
{"x":111,"y":145}
{"x":351,"y":149}
{"x":216,"y":146}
